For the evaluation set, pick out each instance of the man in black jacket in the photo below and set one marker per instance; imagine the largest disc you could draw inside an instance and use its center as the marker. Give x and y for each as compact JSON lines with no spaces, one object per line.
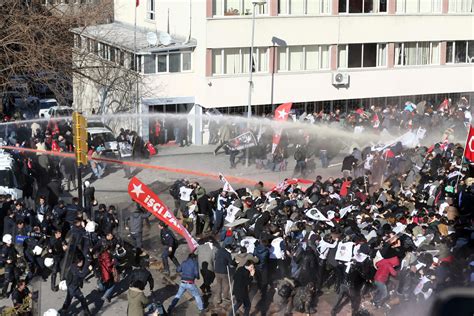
{"x":169,"y":242}
{"x":242,"y":279}
{"x":74,"y":281}
{"x":204,"y":204}
{"x":143,"y":275}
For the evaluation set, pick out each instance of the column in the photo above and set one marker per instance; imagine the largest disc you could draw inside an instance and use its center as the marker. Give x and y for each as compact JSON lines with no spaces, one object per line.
{"x":392,"y":6}
{"x":444,"y":6}
{"x":442,"y":55}
{"x":335,"y":7}
{"x":390,"y":55}
{"x":197,"y":130}
{"x":333,"y":52}
{"x":273,"y":7}
{"x":209,"y":8}
{"x":273,"y":58}
{"x":208,"y":62}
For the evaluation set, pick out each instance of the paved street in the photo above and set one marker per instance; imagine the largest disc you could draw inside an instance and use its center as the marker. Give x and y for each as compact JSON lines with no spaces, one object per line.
{"x":112,"y":189}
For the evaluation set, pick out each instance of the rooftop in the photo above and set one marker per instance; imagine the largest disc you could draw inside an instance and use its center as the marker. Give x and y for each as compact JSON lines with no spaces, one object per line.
{"x":122,"y":36}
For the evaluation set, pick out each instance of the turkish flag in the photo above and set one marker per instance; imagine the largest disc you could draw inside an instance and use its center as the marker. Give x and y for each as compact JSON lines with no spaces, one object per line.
{"x":137,"y":3}
{"x":281,"y":115}
{"x":469,"y":149}
{"x":143,"y":195}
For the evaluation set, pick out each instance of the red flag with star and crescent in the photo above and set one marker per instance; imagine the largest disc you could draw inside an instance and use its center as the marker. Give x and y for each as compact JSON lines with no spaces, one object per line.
{"x":144,"y":196}
{"x":281,"y":115}
{"x":469,"y":149}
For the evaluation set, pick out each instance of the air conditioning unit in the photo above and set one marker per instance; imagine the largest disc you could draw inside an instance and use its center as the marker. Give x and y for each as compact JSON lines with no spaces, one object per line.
{"x":340,"y":79}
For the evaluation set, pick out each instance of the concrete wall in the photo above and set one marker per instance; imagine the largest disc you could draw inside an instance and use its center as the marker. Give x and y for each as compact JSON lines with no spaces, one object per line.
{"x":235,"y":32}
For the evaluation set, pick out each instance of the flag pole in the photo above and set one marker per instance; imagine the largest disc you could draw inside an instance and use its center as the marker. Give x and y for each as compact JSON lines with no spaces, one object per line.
{"x":463,"y":155}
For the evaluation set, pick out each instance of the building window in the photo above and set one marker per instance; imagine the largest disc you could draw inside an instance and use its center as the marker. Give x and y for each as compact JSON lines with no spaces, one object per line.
{"x":77,"y":41}
{"x":150,"y":8}
{"x":149,"y":64}
{"x":237,"y":7}
{"x":418,"y":6}
{"x":362,"y":55}
{"x":460,"y":52}
{"x":460,"y":6}
{"x":236,"y":60}
{"x":417,"y":53}
{"x":167,"y":62}
{"x":363,"y":6}
{"x":301,"y":58}
{"x":304,"y":7}
{"x":186,"y":61}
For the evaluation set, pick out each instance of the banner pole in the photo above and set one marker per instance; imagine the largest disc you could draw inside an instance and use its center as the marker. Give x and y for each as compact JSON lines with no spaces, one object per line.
{"x":230,"y":289}
{"x":462,"y":157}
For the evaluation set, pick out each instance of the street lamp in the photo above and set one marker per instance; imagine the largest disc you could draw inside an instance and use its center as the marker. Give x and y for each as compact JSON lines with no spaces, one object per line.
{"x":249,"y":106}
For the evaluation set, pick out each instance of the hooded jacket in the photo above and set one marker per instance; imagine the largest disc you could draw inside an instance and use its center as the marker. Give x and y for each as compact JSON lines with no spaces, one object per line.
{"x":136,"y":302}
{"x":385,"y":268}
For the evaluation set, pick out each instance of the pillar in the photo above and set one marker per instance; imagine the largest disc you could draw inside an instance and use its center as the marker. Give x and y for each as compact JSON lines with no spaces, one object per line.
{"x":443,"y":52}
{"x":208,"y":62}
{"x":209,"y":8}
{"x":390,"y":55}
{"x":392,"y":6}
{"x":333,"y":52}
{"x":273,"y":7}
{"x":335,"y":7}
{"x":444,"y":6}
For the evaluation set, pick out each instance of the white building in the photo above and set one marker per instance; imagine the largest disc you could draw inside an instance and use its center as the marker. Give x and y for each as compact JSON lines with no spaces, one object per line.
{"x":400,"y":49}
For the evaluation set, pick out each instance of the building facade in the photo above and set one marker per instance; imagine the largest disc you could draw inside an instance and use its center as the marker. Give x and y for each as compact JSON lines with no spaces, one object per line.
{"x":319,"y":54}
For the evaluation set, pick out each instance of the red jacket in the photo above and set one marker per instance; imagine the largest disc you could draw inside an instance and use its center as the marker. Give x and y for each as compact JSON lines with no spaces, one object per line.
{"x":385,"y":268}
{"x":106,"y":266}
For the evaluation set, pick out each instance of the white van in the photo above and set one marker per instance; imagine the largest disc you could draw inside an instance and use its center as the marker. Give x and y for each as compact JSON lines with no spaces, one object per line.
{"x":58,"y":111}
{"x":9,"y":183}
{"x":45,"y":105}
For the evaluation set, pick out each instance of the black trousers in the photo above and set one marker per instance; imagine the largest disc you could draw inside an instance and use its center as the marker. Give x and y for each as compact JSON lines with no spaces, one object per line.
{"x":77,"y":294}
{"x":239,"y":301}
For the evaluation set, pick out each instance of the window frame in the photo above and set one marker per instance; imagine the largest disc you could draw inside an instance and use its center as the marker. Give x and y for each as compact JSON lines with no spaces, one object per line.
{"x":417,"y":54}
{"x":167,"y":55}
{"x":453,"y":9}
{"x":303,"y":59}
{"x":241,"y":9}
{"x":151,"y":10}
{"x":363,"y":4}
{"x":305,"y":8}
{"x":418,"y":6}
{"x":242,"y":56}
{"x":467,"y":59}
{"x":377,"y":47}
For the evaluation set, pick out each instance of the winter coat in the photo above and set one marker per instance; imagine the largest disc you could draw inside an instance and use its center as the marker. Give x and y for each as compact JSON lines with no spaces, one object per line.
{"x":223,"y":260}
{"x":106,"y":266}
{"x":137,"y":301}
{"x":135,"y":221}
{"x":242,"y":280}
{"x":385,"y":268}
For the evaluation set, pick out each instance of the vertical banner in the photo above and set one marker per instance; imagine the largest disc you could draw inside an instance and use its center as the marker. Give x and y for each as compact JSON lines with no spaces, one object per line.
{"x":142,"y":194}
{"x":281,"y":115}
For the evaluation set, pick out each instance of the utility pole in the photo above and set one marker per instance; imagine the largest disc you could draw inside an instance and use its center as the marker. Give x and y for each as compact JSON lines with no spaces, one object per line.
{"x":80,"y":149}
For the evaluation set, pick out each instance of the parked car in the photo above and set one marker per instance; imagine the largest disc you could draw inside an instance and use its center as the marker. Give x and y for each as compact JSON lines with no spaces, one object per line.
{"x":103,"y":136}
{"x":9,"y":183}
{"x":45,"y":105}
{"x":58,"y":111}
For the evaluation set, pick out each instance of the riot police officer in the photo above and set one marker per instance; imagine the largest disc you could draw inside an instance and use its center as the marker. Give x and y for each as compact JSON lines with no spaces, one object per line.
{"x":8,"y":259}
{"x":169,"y":242}
{"x":56,"y":248}
{"x":74,"y":281}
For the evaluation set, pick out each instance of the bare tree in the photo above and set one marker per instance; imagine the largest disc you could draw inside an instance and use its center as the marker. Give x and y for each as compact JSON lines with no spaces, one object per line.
{"x":36,"y":43}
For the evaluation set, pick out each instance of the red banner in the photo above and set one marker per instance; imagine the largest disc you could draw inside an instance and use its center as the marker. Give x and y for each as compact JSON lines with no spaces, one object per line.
{"x":281,"y":115}
{"x":469,"y":149}
{"x":142,"y":194}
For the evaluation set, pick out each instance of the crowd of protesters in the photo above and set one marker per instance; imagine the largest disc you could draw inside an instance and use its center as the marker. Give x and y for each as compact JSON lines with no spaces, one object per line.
{"x":394,"y":226}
